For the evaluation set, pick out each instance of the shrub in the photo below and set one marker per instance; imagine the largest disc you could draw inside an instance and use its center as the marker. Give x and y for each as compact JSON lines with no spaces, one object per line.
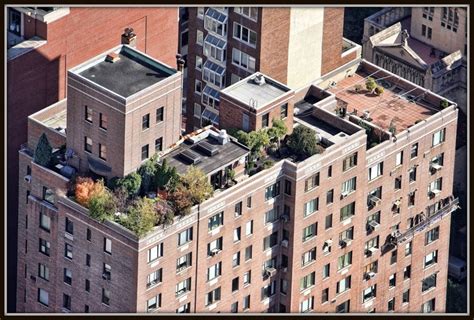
{"x":379,"y":90}
{"x":444,"y":104}
{"x":121,"y":199}
{"x":83,"y":190}
{"x":131,"y":183}
{"x":43,"y":153}
{"x":268,"y":164}
{"x":230,"y":174}
{"x":102,"y":205}
{"x":197,"y":183}
{"x":166,"y":177}
{"x":147,"y":173}
{"x":370,"y":84}
{"x":180,"y":200}
{"x":303,"y":143}
{"x":278,"y":130}
{"x":141,"y":217}
{"x":164,"y":213}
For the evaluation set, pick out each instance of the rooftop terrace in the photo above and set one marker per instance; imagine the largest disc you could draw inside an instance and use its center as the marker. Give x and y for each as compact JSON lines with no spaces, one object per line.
{"x":404,"y":106}
{"x":254,"y":94}
{"x":127,"y":75}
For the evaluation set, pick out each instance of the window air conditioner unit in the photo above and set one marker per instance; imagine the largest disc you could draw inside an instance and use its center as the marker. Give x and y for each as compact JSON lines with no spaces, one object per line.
{"x":106,"y":276}
{"x":374,"y":224}
{"x":215,"y":251}
{"x":371,"y":274}
{"x":435,"y":167}
{"x":344,"y":194}
{"x":285,"y":218}
{"x":284,"y":243}
{"x":270,"y":271}
{"x":374,"y":199}
{"x":28,"y":178}
{"x":342,"y":243}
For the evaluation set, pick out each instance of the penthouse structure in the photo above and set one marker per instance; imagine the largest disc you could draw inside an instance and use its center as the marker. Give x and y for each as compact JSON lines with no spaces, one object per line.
{"x":223,"y":45}
{"x":272,"y":237}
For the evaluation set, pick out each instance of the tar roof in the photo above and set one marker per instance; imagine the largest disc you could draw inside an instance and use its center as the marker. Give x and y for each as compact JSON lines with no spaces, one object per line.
{"x":132,"y":73}
{"x":256,"y":95}
{"x":227,"y":153}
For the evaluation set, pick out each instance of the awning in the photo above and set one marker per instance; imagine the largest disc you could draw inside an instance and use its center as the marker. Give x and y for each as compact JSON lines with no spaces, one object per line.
{"x":98,"y":166}
{"x":216,"y":15}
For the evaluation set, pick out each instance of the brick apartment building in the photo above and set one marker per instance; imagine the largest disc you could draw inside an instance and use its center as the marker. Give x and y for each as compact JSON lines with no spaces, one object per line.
{"x":43,"y":43}
{"x":361,"y":227}
{"x":225,"y":44}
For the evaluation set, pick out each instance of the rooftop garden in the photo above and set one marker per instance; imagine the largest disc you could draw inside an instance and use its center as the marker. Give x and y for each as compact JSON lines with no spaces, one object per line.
{"x":270,"y":144}
{"x":142,"y":200}
{"x":56,"y":160}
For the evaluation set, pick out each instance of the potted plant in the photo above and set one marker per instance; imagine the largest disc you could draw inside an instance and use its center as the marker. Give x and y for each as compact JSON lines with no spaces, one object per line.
{"x":358,"y":88}
{"x":370,"y":84}
{"x":230,"y":173}
{"x":379,"y":90}
{"x":444,"y":104}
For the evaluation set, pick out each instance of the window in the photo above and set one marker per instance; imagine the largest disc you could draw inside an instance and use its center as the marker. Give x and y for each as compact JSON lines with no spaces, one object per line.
{"x":431,"y":258}
{"x":215,"y":48}
{"x":272,"y":215}
{"x":432,"y":235}
{"x":88,"y":114}
{"x":199,"y":37}
{"x":265,"y":120}
{"x":214,"y":271}
{"x":155,"y":252}
{"x":103,"y":121}
{"x":393,"y":257}
{"x":428,"y":306}
{"x":237,"y":234}
{"x":307,"y":281}
{"x":88,"y":260}
{"x":197,"y":110}
{"x":200,"y":12}
{"x":67,"y":276}
{"x":414,"y":151}
{"x":435,"y":187}
{"x":249,"y":228}
{"x":43,"y":297}
{"x":68,"y":251}
{"x":45,"y":222}
{"x":238,"y":209}
{"x":288,"y":187}
{"x":408,"y":248}
{"x":102,"y":151}
{"x":107,"y":245}
{"x":89,"y":234}
{"x":153,"y":303}
{"x":246,"y":303}
{"x":270,"y":241}
{"x":372,"y":244}
{"x":348,"y":186}
{"x":312,"y":182}
{"x":308,"y":257}
{"x":214,"y":247}
{"x":428,"y":282}
{"x":105,"y":296}
{"x":243,"y":61}
{"x":406,"y":296}
{"x":88,"y":285}
{"x":236,"y":259}
{"x":392,"y":280}
{"x":348,"y":211}
{"x":216,"y":221}
{"x":375,"y":171}
{"x":146,"y":121}
{"x":268,"y":290}
{"x":398,"y":183}
{"x":284,"y":111}
{"x":145,"y":153}
{"x":66,"y":301}
{"x":311,"y":207}
{"x":249,"y":202}
{"x":399,"y":158}
{"x":344,"y":261}
{"x":69,"y":226}
{"x":349,"y":162}
{"x":247,"y":277}
{"x":235,"y":284}
{"x":14,"y":20}
{"x":184,"y":262}
{"x":214,"y":73}
{"x":369,"y":293}
{"x":347,"y":235}
{"x":48,"y":195}
{"x":249,"y":12}
{"x":159,"y":144}
{"x":43,"y":271}
{"x":198,"y":63}
{"x":307,"y":305}
{"x":248,"y":253}
{"x":407,"y":272}
{"x":343,"y":285}
{"x":326,"y":271}
{"x":371,"y":267}
{"x":106,"y":271}
{"x":272,"y":191}
{"x":330,"y":196}
{"x":412,"y":174}
{"x":391,"y":305}
{"x":214,"y":296}
{"x":310,"y":231}
{"x":325,"y":295}
{"x":183,"y":287}
{"x":216,"y":22}
{"x":160,"y":114}
{"x":197,"y":86}
{"x":210,"y":97}
{"x":343,"y":307}
{"x":245,"y":34}
{"x":411,"y":198}
{"x":328,"y":222}
{"x":184,"y":308}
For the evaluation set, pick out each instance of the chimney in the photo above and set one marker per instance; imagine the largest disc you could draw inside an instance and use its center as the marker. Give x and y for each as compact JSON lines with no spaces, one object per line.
{"x":179,"y":62}
{"x":129,"y":37}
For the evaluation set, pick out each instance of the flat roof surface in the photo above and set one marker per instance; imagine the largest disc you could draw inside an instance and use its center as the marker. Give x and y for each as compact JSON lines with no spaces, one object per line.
{"x":228,"y":153}
{"x":326,"y":129}
{"x":132,"y":73}
{"x":58,"y":120}
{"x":384,"y":108}
{"x":247,"y":91}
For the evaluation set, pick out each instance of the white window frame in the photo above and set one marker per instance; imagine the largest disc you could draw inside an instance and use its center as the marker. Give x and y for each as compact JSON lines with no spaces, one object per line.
{"x":199,"y":37}
{"x":185,"y":236}
{"x":199,"y":63}
{"x":212,"y":23}
{"x":239,"y":31}
{"x":213,"y":51}
{"x":243,"y":60}
{"x":248,"y":12}
{"x":376,"y":171}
